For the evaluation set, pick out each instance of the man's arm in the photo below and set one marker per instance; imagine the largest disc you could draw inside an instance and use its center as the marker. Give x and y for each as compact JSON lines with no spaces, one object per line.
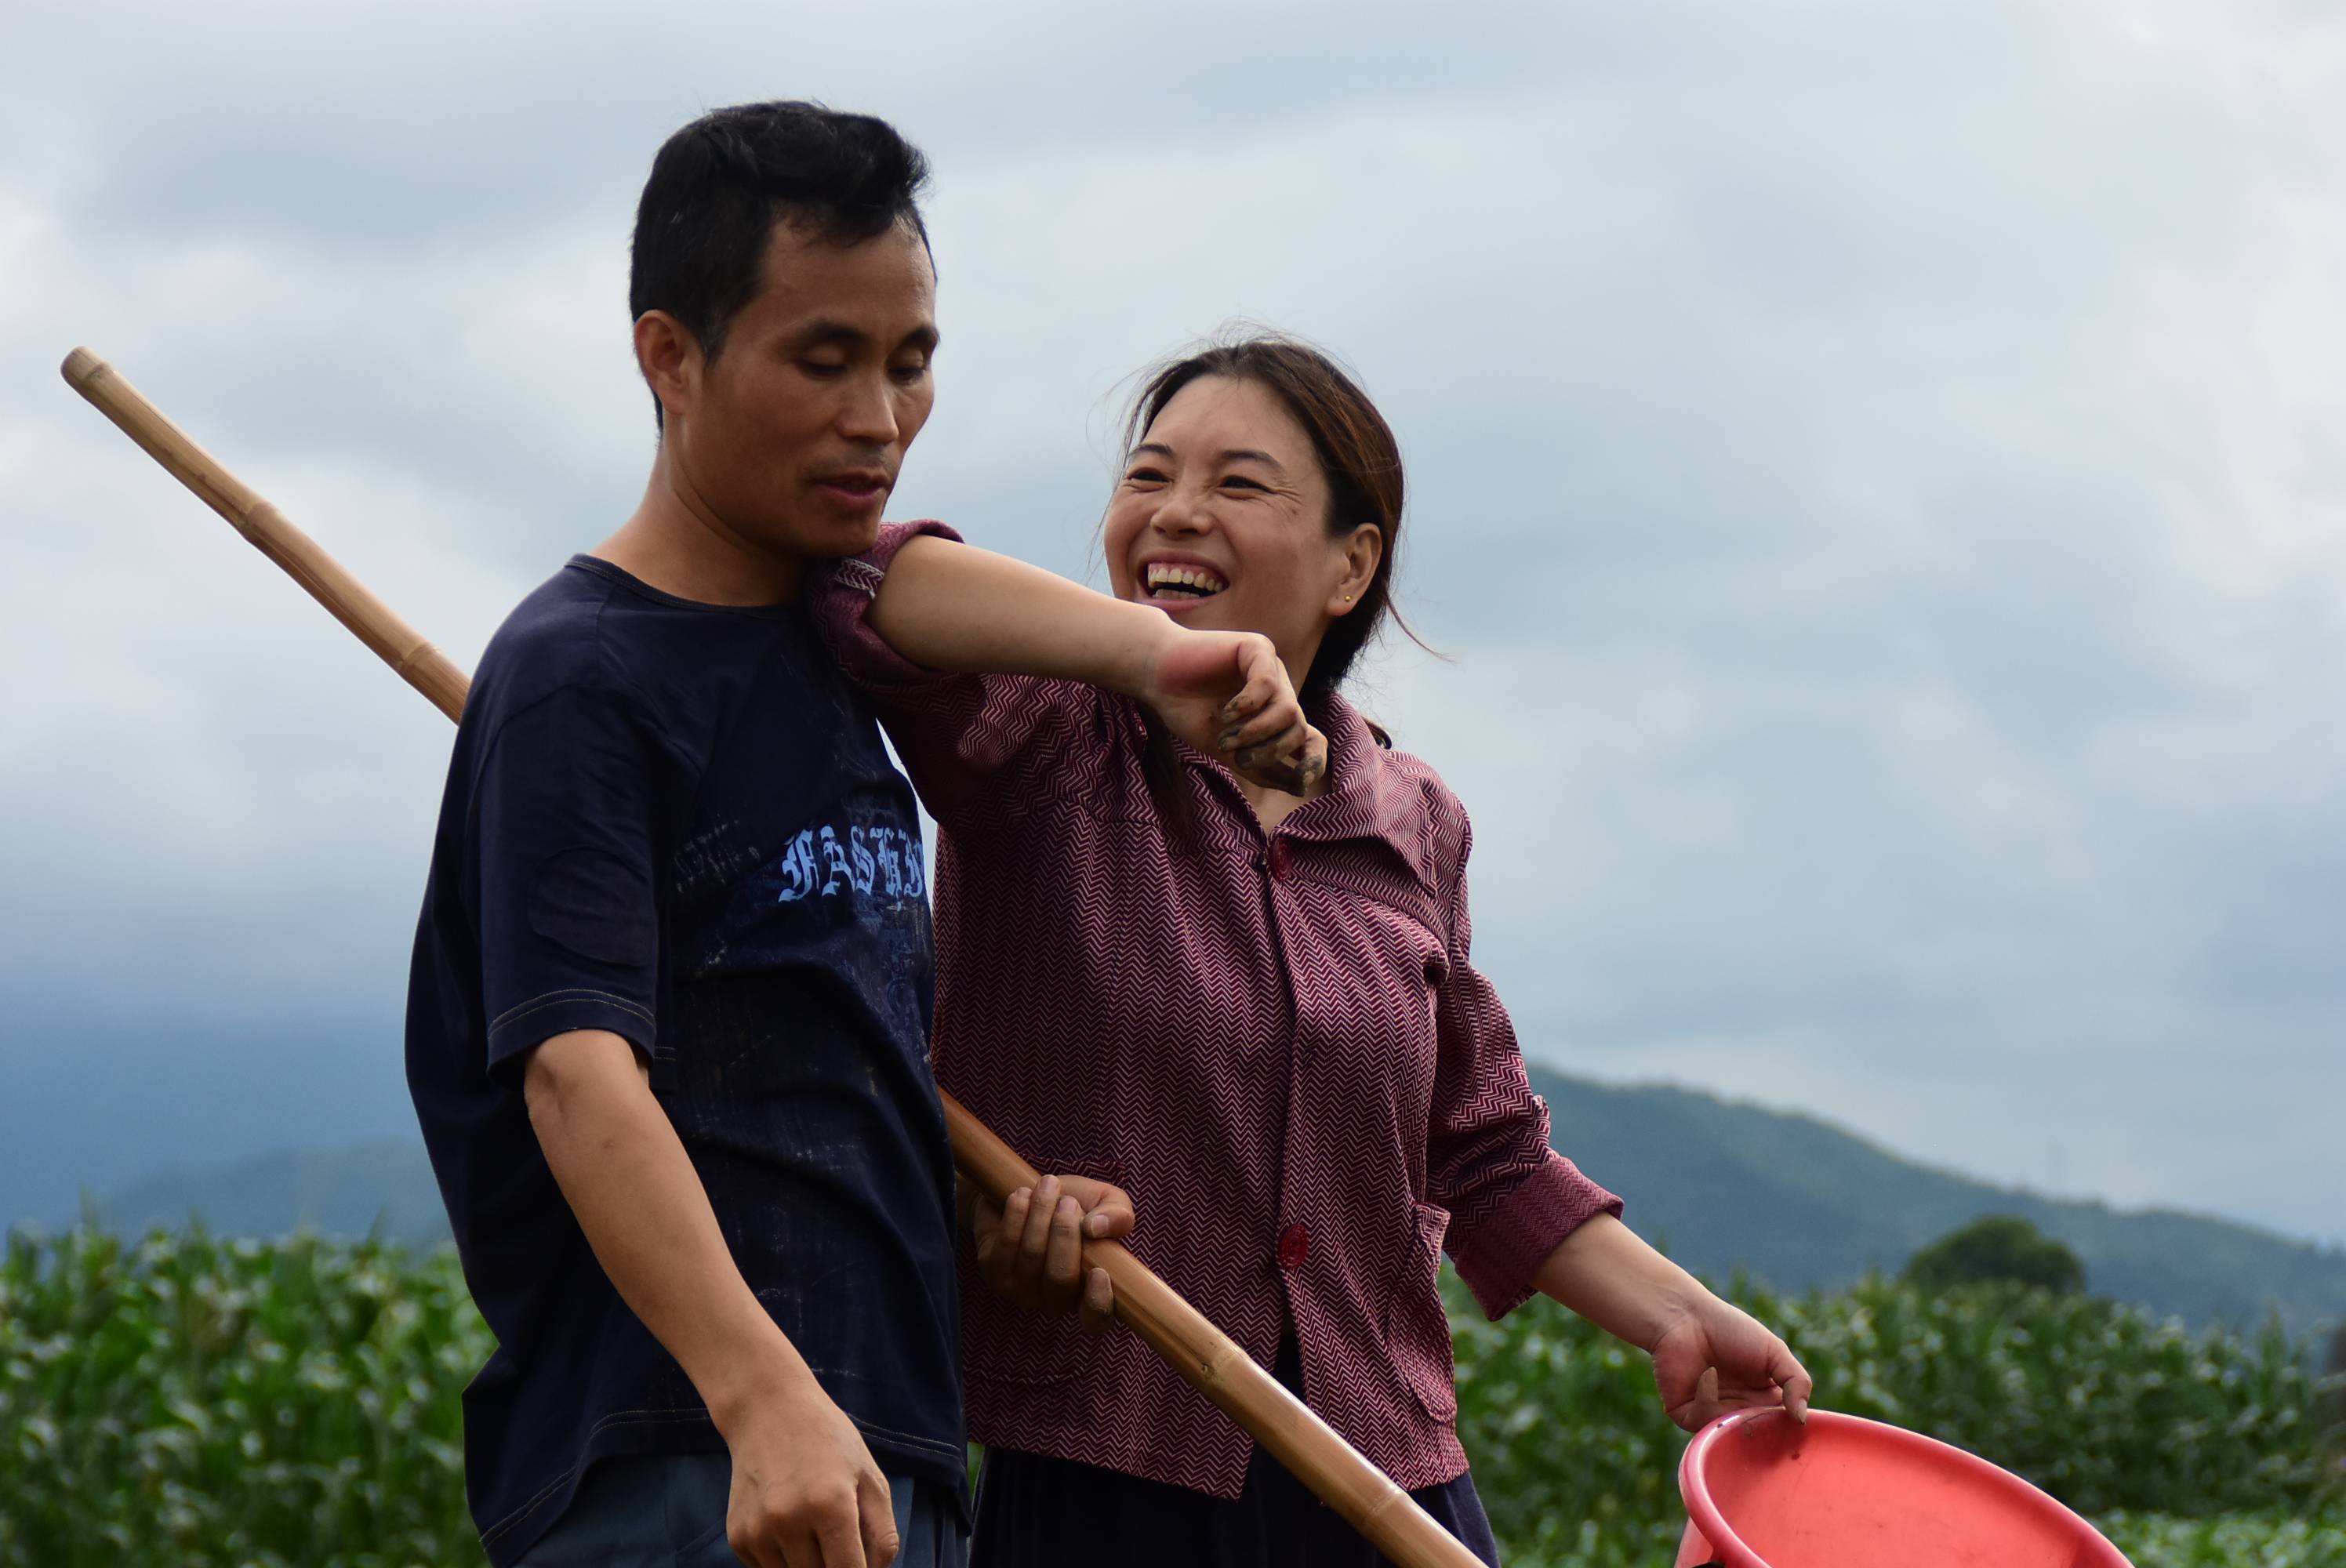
{"x":955,"y":608}
{"x":1710,"y":1356}
{"x":806,"y":1492}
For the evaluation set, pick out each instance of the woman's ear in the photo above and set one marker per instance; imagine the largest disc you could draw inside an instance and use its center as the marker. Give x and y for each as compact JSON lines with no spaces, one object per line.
{"x":1362,"y":551}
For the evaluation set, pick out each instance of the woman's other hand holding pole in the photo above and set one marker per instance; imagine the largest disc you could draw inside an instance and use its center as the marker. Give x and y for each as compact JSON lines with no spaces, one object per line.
{"x":1030,"y":1249}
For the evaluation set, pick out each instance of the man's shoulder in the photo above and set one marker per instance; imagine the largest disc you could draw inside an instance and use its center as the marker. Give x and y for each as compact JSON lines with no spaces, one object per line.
{"x":556,"y":622}
{"x":555,"y":640}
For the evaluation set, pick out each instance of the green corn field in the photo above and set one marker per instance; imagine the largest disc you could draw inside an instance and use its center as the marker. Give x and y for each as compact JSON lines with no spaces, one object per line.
{"x":2201,"y":1450}
{"x":183,"y":1399}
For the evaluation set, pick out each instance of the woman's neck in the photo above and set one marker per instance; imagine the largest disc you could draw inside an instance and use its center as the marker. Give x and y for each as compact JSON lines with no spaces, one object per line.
{"x":1272,"y":806}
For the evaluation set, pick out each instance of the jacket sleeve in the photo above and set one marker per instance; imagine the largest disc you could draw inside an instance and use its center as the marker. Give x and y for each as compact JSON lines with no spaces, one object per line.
{"x":980,"y":748}
{"x":1511,"y":1196}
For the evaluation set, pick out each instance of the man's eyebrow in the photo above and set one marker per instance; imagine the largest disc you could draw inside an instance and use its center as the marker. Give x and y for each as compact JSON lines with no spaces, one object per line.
{"x":823,"y":332}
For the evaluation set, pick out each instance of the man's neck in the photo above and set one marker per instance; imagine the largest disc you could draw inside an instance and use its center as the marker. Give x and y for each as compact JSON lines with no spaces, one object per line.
{"x":676,"y":543}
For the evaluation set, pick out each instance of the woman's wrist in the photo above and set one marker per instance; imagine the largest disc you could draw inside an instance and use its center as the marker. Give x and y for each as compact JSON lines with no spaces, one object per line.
{"x":1138,"y":670}
{"x":1607,"y":1274}
{"x":1672,"y":1306}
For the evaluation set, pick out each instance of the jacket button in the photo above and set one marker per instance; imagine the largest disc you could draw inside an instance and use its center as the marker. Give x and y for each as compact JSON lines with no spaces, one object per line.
{"x":1278,"y":859}
{"x":1294,"y":1246}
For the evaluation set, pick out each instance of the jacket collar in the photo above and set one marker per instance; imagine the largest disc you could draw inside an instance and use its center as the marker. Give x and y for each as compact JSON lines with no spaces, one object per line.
{"x":1373,"y":792}
{"x":1366,"y":796}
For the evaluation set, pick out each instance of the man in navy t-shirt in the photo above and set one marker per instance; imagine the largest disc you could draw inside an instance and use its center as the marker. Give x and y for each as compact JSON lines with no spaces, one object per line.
{"x":667,"y":1022}
{"x":668,"y":1026}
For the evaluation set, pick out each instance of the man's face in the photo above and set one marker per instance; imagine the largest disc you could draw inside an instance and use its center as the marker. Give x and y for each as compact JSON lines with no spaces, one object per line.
{"x":791,"y":440}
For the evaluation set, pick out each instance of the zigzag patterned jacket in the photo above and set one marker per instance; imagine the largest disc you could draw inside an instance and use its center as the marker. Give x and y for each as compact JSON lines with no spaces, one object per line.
{"x":1274,"y":1043}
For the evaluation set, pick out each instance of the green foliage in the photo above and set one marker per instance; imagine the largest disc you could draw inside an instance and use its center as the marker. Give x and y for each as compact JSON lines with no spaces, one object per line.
{"x":2102,"y":1405}
{"x":214,"y":1404}
{"x":196,"y":1402}
{"x":1997,"y":1248}
{"x":2264,"y":1539}
{"x":2149,"y":1540}
{"x":1572,"y":1456}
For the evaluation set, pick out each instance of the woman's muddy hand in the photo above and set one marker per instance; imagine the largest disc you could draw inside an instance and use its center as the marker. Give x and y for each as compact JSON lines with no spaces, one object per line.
{"x":1230,"y":695}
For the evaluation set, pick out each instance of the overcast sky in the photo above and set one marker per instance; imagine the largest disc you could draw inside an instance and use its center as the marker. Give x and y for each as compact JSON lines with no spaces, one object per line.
{"x":1877,"y":470}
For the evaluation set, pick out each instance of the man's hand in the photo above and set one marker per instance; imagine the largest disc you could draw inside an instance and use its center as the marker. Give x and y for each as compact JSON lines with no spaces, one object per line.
{"x":1229,"y":694}
{"x":1714,"y":1358}
{"x":806,"y":1492}
{"x":1031,"y":1248}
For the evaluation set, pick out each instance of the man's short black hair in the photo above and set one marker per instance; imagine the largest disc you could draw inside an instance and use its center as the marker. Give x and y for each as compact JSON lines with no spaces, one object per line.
{"x":719,"y":186}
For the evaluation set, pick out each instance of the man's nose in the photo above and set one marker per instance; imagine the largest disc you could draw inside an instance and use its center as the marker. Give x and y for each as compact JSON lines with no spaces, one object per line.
{"x":869,"y":414}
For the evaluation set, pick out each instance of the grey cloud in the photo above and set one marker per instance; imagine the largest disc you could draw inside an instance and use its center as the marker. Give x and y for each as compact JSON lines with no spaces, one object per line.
{"x":1871,"y":468}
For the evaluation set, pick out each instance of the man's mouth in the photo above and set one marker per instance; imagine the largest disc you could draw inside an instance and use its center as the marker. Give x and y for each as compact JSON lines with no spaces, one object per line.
{"x":1179,"y":582}
{"x":856,"y":486}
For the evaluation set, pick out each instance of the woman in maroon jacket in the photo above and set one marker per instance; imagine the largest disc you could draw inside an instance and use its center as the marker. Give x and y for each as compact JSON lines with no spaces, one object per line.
{"x":1253,"y":1011}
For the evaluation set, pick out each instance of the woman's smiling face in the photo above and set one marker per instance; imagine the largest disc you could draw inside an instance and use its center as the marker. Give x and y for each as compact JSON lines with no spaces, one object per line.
{"x":1221,"y":520}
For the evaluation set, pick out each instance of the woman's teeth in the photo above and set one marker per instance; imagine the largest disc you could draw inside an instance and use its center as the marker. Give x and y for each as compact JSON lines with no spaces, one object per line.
{"x":1183,"y":581}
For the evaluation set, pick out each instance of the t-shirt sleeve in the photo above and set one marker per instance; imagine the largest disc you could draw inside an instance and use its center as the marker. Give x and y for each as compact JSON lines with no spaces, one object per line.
{"x":979,"y":748}
{"x":561,"y":845}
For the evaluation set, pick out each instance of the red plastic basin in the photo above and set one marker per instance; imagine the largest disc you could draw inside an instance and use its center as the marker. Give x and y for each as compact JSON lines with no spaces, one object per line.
{"x":1763,"y":1491}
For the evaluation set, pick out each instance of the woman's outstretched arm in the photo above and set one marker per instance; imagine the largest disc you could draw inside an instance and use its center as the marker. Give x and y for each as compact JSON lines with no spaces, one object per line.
{"x":950,"y":606}
{"x":1710,"y":1356}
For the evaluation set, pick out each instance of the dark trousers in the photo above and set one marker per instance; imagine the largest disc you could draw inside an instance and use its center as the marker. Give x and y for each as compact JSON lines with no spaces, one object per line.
{"x":1040,"y":1512}
{"x":668,"y":1511}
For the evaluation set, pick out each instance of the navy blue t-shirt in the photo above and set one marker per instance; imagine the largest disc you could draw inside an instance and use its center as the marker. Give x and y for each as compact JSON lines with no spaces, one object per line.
{"x":676,"y":821}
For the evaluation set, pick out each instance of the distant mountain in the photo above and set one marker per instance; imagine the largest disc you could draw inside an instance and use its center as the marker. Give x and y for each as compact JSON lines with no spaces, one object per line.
{"x":1799,"y":1202}
{"x":386,"y":1184}
{"x":1790,"y":1200}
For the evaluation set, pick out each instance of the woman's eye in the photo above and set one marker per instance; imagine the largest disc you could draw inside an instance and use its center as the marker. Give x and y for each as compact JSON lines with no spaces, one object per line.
{"x":1240,"y":482}
{"x":1143,"y":477}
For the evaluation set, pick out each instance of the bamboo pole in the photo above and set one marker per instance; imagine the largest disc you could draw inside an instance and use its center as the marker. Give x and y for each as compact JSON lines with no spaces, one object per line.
{"x":268,"y":530}
{"x":1216,"y":1366}
{"x":1208,"y":1358}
